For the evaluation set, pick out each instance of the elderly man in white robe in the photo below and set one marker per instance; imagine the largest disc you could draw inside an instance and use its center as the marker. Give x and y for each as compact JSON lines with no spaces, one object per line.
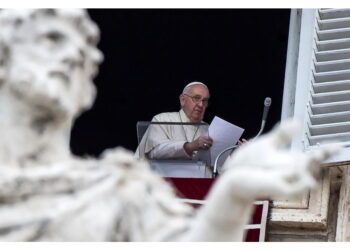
{"x":179,"y":141}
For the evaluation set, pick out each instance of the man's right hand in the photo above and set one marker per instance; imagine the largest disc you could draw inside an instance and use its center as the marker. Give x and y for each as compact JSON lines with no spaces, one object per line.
{"x":201,"y":143}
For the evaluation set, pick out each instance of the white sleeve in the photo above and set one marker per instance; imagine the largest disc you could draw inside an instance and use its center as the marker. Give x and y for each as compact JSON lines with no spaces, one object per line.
{"x":169,"y":150}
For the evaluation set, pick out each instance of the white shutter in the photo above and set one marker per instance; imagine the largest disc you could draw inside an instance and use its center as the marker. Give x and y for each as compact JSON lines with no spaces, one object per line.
{"x":328,"y":109}
{"x":317,"y":92}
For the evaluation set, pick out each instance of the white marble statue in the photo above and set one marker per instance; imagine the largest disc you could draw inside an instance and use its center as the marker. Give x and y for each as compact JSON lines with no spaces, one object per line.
{"x":47,"y":61}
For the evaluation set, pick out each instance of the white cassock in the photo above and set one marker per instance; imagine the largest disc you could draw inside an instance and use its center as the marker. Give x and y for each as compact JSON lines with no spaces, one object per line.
{"x":167,"y":141}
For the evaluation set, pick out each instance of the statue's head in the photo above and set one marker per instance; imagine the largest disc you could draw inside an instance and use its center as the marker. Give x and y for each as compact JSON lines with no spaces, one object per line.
{"x":48,"y":58}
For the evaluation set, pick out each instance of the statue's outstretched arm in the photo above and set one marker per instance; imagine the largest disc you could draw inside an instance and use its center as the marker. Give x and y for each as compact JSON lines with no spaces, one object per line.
{"x":260,"y":169}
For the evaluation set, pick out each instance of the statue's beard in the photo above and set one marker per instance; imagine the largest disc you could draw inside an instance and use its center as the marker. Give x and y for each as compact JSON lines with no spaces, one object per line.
{"x":44,"y":92}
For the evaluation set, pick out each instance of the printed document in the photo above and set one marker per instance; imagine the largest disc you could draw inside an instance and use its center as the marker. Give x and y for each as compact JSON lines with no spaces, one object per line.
{"x":224,"y":135}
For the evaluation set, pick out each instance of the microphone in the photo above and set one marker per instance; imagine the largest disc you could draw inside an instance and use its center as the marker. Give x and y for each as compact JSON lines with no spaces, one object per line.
{"x":267,"y":104}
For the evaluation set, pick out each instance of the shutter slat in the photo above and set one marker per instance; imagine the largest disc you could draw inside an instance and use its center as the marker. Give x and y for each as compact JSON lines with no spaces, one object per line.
{"x":326,"y":35}
{"x":337,"y":23}
{"x":341,"y":137}
{"x":334,"y":13}
{"x":332,"y":66}
{"x":333,"y":44}
{"x":332,"y":55}
{"x":330,"y":118}
{"x":325,"y":108}
{"x":337,"y":96}
{"x":334,"y":128}
{"x":332,"y":76}
{"x":331,"y":86}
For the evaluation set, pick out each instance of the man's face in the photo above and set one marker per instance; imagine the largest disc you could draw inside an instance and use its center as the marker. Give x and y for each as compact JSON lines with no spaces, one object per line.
{"x":52,"y":65}
{"x":195,"y":111}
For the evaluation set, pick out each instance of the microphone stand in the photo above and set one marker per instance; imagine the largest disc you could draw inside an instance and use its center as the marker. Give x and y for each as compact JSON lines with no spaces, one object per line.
{"x":260,"y":131}
{"x":215,"y":172}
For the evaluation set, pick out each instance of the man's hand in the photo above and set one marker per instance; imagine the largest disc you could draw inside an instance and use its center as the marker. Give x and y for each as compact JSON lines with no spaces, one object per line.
{"x":241,"y":142}
{"x":201,"y":143}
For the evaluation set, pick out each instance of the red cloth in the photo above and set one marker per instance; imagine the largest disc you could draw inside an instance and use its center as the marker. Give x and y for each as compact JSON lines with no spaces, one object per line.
{"x":191,"y":188}
{"x":198,"y":188}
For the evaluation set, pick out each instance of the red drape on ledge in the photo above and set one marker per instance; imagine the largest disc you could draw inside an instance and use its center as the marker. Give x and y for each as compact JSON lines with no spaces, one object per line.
{"x":198,"y":188}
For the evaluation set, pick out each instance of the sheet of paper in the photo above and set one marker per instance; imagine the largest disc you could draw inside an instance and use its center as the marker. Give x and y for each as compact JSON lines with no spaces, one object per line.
{"x":224,"y":135}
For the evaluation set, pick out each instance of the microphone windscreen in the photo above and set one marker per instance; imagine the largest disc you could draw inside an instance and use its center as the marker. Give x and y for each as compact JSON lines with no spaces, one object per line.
{"x":267,"y":101}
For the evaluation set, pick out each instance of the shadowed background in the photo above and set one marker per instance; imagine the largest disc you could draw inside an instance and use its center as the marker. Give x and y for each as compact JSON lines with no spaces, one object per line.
{"x":151,"y":54}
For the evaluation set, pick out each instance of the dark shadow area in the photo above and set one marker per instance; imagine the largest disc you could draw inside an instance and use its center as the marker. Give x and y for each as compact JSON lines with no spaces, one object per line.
{"x":150,"y":55}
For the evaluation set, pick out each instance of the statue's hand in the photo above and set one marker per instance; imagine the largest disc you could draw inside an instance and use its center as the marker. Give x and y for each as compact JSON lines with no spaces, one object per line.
{"x":265,"y":168}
